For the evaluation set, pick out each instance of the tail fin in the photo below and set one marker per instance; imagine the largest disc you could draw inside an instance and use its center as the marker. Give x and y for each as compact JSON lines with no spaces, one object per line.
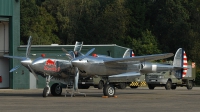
{"x":180,"y":62}
{"x":28,"y":49}
{"x":128,"y":53}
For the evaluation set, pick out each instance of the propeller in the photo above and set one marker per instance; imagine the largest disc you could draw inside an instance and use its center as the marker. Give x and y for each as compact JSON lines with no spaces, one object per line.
{"x":25,"y":61}
{"x":71,"y":56}
{"x":15,"y":68}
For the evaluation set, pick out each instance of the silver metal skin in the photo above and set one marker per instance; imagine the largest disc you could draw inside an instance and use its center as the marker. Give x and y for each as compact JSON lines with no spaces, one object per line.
{"x":100,"y":65}
{"x":127,"y":68}
{"x":56,"y":69}
{"x":112,"y":66}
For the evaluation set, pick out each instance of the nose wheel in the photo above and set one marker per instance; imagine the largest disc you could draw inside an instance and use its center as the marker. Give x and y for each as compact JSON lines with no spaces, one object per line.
{"x":46,"y":90}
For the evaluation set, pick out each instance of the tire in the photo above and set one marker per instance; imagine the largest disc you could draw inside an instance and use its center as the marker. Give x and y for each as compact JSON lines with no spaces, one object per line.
{"x":168,"y":85}
{"x":109,"y":90}
{"x":173,"y":87}
{"x":45,"y":90}
{"x":122,"y":85}
{"x":151,"y":86}
{"x":133,"y":87}
{"x":56,"y":89}
{"x":100,"y":85}
{"x":190,"y":85}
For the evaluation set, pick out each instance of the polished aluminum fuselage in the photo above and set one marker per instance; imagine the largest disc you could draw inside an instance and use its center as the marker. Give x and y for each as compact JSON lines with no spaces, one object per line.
{"x":54,"y":67}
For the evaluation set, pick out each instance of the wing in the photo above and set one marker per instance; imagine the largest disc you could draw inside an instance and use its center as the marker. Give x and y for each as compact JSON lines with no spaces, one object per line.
{"x":139,"y":58}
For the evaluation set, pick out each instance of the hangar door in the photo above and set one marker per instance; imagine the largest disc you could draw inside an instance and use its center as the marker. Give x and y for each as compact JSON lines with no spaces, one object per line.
{"x":4,"y":49}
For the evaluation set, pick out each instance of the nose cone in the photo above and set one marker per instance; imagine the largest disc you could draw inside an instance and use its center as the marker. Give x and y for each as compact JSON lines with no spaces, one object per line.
{"x":26,"y":62}
{"x":76,"y":62}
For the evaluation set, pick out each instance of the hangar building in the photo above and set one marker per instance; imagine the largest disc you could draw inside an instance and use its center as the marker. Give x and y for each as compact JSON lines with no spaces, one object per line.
{"x":10,"y":45}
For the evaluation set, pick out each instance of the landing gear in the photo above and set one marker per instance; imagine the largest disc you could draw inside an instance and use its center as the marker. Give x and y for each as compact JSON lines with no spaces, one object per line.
{"x":56,"y":89}
{"x":46,"y":90}
{"x":109,"y":90}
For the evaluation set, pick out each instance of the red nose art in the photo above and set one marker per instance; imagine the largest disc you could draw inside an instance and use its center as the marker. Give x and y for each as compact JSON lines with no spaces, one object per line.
{"x":50,"y":62}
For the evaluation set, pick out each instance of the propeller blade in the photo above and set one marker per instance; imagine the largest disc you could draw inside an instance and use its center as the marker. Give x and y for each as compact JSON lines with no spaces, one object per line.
{"x":15,"y":57}
{"x":64,"y":50}
{"x":28,"y":47}
{"x":67,"y":54}
{"x":89,"y":52}
{"x":33,"y":72}
{"x":13,"y":69}
{"x":76,"y":78}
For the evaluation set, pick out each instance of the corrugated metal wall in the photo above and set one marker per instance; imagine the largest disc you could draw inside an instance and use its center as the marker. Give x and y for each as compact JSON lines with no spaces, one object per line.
{"x":6,"y":7}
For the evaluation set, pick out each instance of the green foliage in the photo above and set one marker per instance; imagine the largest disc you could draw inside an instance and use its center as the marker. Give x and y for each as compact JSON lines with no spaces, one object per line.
{"x":171,"y":24}
{"x":197,"y":79}
{"x":35,"y":21}
{"x":147,"y":44}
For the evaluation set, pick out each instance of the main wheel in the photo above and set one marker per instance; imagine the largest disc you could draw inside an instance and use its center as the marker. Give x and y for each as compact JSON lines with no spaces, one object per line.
{"x":168,"y":85}
{"x":190,"y":85}
{"x":150,"y":86}
{"x":109,"y":90}
{"x":56,"y":89}
{"x":45,"y":90}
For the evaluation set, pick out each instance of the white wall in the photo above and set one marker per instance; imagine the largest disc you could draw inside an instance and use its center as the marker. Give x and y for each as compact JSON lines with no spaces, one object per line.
{"x":4,"y":72}
{"x":32,"y":81}
{"x":4,"y":37}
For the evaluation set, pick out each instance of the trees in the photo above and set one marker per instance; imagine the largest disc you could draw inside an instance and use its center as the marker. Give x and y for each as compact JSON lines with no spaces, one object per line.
{"x":147,"y":26}
{"x":35,"y":21}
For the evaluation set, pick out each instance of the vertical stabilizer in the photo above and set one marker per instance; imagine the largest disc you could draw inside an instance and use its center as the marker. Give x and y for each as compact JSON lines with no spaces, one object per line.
{"x":28,"y":49}
{"x":180,"y":62}
{"x":128,"y":53}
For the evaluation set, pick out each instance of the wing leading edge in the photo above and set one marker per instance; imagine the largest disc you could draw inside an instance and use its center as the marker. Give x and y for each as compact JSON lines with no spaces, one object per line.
{"x":139,"y":58}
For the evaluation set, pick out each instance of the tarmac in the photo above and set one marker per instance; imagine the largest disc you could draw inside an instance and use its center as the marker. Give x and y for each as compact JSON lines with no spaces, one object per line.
{"x":127,"y":100}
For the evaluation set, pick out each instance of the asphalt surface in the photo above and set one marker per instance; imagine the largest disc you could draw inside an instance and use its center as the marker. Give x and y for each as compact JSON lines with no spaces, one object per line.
{"x":128,"y":100}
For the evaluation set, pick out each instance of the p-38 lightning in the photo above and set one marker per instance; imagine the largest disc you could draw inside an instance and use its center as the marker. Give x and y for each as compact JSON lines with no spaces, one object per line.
{"x":95,"y":65}
{"x":128,"y":67}
{"x":52,"y":69}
